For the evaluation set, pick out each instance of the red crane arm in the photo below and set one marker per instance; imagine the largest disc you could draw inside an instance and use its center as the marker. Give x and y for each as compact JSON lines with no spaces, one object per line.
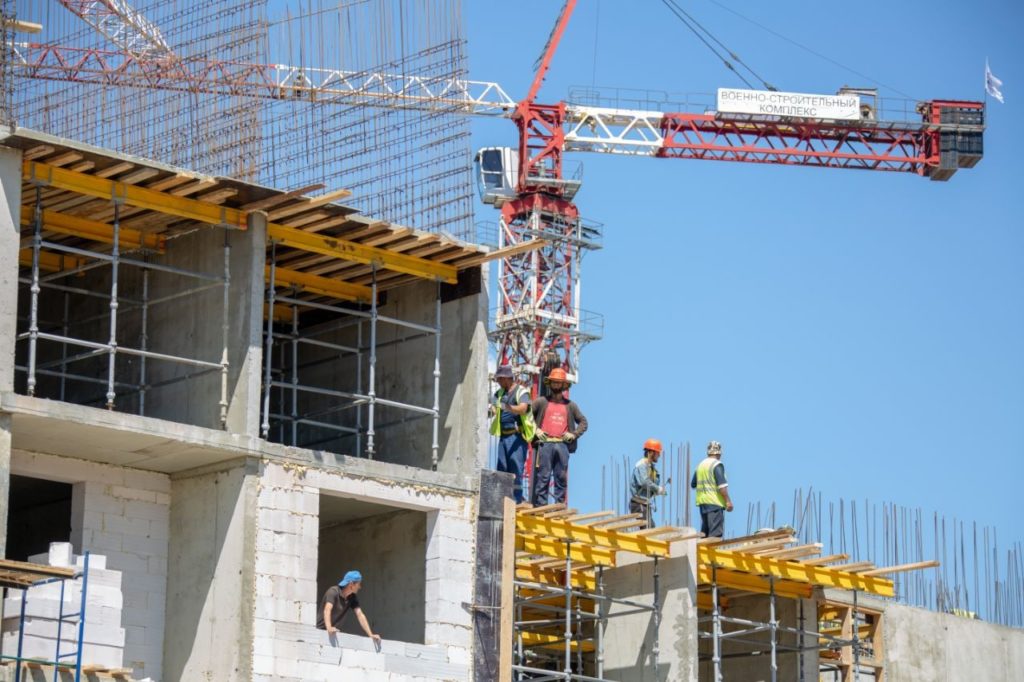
{"x":549,"y":49}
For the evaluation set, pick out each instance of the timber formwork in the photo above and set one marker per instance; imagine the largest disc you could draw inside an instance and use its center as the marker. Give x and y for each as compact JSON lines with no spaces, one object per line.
{"x":561,"y":608}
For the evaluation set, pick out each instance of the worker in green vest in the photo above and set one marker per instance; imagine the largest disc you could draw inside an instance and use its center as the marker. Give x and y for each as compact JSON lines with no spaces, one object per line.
{"x":512,"y":423}
{"x":712,"y":492}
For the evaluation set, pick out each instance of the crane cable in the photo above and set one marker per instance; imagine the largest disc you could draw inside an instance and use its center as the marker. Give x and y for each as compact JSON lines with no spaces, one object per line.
{"x":809,"y":50}
{"x":693,"y":25}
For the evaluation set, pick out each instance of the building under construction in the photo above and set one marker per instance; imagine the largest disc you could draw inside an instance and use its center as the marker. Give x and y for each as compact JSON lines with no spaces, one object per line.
{"x":244,"y":340}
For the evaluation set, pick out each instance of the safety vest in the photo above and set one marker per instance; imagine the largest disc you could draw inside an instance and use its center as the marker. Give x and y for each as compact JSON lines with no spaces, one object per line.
{"x":527,"y":427}
{"x":707,"y":489}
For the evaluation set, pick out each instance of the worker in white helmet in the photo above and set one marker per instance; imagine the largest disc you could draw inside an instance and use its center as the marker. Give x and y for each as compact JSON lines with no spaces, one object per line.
{"x":712,"y":492}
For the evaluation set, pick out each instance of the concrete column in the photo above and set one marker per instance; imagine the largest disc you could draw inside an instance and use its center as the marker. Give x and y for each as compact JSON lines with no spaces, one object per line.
{"x":248,"y":255}
{"x":211,"y":575}
{"x":629,"y":639}
{"x":10,"y":236}
{"x":491,"y":564}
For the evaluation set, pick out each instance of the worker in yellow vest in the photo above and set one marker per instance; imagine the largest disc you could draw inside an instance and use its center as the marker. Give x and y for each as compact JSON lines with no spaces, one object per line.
{"x":512,"y":422}
{"x":712,"y":492}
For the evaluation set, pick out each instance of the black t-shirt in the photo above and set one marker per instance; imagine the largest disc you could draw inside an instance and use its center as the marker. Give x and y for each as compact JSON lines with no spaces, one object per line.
{"x":340,"y":606}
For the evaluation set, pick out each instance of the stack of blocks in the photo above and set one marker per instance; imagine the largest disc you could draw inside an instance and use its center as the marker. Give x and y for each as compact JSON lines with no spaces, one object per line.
{"x":103,"y":641}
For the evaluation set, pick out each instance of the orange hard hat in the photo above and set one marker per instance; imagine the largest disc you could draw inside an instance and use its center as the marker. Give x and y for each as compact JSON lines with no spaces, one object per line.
{"x":557,"y":374}
{"x":653,"y":444}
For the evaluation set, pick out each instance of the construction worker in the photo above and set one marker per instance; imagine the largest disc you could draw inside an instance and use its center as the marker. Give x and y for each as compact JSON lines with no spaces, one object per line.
{"x":338,"y":600}
{"x":712,"y":492}
{"x":645,"y":483}
{"x":512,"y":422}
{"x":559,"y":425}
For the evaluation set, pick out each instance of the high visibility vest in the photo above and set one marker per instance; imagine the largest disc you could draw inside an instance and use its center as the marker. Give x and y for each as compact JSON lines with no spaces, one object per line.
{"x":707,"y":489}
{"x":527,"y":426}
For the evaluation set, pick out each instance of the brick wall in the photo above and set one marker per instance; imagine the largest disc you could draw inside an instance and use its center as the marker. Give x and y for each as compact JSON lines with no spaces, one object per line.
{"x":123,"y":514}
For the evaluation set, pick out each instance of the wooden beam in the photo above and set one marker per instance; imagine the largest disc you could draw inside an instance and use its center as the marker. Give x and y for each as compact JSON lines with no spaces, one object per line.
{"x":62,"y":223}
{"x":352,"y":251}
{"x":132,"y":195}
{"x":597,"y":537}
{"x":20,"y":26}
{"x":504,"y":252}
{"x":306,"y":204}
{"x":557,"y":549}
{"x":50,"y":261}
{"x":793,"y":571}
{"x":821,"y":560}
{"x":585,"y":580}
{"x":320,"y":285}
{"x":902,"y":568}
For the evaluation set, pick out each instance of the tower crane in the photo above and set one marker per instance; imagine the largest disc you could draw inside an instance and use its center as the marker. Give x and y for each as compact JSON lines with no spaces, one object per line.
{"x":539,"y":323}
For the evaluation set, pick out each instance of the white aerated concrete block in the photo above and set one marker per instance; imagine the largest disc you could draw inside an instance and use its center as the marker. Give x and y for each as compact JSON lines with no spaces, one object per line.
{"x":60,"y":554}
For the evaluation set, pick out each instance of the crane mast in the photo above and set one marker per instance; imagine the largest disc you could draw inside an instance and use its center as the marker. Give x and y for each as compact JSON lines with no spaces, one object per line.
{"x":538,"y":323}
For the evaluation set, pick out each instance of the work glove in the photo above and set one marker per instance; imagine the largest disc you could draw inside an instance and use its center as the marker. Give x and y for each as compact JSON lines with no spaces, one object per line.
{"x":568,"y":437}
{"x":661,"y":490}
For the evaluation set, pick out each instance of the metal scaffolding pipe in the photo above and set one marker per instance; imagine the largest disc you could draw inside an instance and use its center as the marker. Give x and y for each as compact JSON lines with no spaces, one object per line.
{"x":655,"y":650}
{"x":568,"y":610}
{"x":114,"y":254}
{"x":372,"y":392}
{"x":269,"y":344}
{"x":226,"y":332}
{"x":772,"y":627}
{"x":144,"y":341}
{"x":437,"y":380}
{"x":33,"y":325}
{"x":295,"y":375}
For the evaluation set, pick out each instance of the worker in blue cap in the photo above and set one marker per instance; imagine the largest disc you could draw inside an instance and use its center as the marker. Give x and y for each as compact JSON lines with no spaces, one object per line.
{"x":338,"y":601}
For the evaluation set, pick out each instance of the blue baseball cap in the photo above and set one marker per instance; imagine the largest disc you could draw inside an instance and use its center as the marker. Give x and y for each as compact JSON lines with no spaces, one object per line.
{"x":351,"y":577}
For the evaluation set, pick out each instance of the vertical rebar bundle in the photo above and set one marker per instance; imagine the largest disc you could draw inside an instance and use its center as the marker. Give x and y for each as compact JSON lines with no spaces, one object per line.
{"x":404,"y":165}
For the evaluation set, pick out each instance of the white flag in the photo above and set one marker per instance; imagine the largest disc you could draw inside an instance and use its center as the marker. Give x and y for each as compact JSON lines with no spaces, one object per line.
{"x":992,"y":84}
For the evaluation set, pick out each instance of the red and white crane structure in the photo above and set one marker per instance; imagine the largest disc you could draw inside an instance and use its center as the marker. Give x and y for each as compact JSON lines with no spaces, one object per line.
{"x":539,"y":323}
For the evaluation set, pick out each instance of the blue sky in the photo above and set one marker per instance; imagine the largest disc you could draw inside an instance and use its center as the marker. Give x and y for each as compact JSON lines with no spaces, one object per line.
{"x":861,"y":333}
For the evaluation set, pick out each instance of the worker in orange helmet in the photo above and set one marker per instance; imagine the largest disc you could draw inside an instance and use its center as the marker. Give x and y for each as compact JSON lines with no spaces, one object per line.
{"x":560,"y":423}
{"x":645,"y":483}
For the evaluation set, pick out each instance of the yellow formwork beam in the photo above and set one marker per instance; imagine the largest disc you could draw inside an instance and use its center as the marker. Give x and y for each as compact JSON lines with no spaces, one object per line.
{"x":361,"y":253}
{"x":94,"y":230}
{"x":557,"y":549}
{"x":324,"y":286}
{"x":49,"y":261}
{"x":748,"y":582}
{"x":537,"y":639}
{"x":793,"y":571}
{"x":583,"y":580}
{"x":133,"y":195}
{"x":595,"y":537}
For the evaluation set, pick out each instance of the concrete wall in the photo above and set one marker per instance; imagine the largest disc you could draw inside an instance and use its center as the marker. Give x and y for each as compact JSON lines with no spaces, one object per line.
{"x":288,"y":647}
{"x":209,"y":628}
{"x":389,"y":550}
{"x":10,"y":239}
{"x":629,"y":640}
{"x":924,"y":646}
{"x":123,"y":514}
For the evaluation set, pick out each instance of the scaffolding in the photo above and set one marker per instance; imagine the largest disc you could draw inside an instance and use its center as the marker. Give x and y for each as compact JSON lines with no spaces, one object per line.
{"x":562,"y":608}
{"x":55,"y":263}
{"x":24,"y":576}
{"x":284,"y":365}
{"x":845,"y":636}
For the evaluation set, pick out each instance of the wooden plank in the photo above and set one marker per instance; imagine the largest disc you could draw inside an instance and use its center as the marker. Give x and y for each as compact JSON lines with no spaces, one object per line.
{"x":902,"y":568}
{"x":591,"y":515}
{"x":819,"y":561}
{"x":542,"y":508}
{"x":311,"y":202}
{"x":274,"y":200}
{"x":757,"y":537}
{"x":605,"y":523}
{"x":506,"y":626}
